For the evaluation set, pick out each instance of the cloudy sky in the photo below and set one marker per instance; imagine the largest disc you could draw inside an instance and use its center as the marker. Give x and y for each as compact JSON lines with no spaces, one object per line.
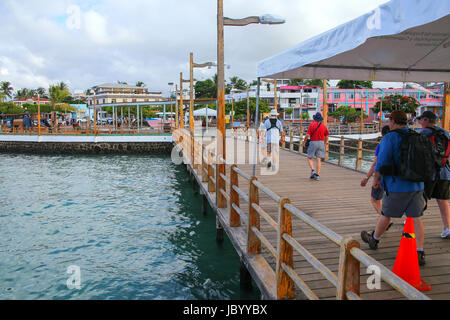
{"x":85,"y":43}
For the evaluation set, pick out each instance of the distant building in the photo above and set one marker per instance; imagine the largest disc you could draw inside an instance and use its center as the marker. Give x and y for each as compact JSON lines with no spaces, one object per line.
{"x":33,"y":100}
{"x":310,"y":98}
{"x":108,"y":93}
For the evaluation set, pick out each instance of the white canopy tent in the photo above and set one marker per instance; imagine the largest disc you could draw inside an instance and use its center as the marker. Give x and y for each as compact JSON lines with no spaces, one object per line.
{"x":402,"y":40}
{"x":205,"y":112}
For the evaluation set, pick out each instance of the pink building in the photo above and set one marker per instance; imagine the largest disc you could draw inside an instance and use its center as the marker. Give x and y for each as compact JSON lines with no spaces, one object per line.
{"x":312,"y":99}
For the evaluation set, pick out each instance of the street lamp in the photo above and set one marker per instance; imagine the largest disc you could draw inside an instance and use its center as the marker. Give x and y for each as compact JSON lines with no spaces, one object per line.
{"x":39,"y":114}
{"x":221,"y":152}
{"x":171,"y":104}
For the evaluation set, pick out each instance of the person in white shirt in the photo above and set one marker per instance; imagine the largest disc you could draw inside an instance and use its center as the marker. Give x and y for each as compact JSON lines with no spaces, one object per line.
{"x":274,"y":128}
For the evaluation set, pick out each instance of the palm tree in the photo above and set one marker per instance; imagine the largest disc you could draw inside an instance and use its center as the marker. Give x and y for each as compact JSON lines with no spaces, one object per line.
{"x":140,"y":84}
{"x":41,"y":92}
{"x":6,"y":89}
{"x":24,"y":94}
{"x":2,"y":97}
{"x":63,"y":86}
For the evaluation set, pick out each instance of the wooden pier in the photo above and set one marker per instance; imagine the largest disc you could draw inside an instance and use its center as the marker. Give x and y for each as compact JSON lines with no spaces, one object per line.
{"x":300,"y":238}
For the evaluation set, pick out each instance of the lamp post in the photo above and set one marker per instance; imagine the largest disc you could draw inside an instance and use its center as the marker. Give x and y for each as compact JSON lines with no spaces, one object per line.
{"x":176,"y":106}
{"x":171,"y":104}
{"x":221,"y":152}
{"x":39,"y":114}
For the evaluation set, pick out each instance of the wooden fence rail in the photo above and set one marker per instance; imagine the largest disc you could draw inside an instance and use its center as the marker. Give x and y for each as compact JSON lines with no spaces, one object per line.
{"x":346,"y":282}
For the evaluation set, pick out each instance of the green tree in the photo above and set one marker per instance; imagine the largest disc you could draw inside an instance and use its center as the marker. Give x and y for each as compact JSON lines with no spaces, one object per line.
{"x":140,"y":84}
{"x":240,"y":108}
{"x":6,"y":89}
{"x":2,"y":97}
{"x":57,"y":94}
{"x":350,"y":114}
{"x":238,"y":83}
{"x":24,"y":93}
{"x":397,"y":102}
{"x":206,"y":89}
{"x":354,"y":84}
{"x":288,"y":110}
{"x":42,"y":92}
{"x":305,"y":115}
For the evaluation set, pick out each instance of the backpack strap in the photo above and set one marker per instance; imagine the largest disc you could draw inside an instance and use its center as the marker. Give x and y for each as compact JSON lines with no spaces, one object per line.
{"x":273,"y":124}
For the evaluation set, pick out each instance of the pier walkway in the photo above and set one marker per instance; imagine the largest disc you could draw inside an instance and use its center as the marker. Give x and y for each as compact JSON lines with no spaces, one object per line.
{"x":299,"y":238}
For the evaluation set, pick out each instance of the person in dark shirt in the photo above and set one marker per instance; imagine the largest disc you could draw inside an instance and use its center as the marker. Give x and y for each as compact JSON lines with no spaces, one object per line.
{"x":439,"y":188}
{"x":401,"y":196}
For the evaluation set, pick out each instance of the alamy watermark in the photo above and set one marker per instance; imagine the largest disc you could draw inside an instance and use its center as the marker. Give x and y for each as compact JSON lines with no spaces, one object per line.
{"x":238,"y":151}
{"x":73,"y":22}
{"x":74,"y":281}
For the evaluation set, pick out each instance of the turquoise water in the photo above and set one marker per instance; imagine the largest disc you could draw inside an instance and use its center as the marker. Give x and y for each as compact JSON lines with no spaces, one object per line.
{"x":132,"y":226}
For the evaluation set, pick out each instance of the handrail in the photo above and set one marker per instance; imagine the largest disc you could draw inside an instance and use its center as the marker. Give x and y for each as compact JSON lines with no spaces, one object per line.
{"x":328,"y":233}
{"x":319,"y":266}
{"x":267,"y":191}
{"x":266,"y":216}
{"x":242,"y":173}
{"x":241,"y":193}
{"x":265,"y":241}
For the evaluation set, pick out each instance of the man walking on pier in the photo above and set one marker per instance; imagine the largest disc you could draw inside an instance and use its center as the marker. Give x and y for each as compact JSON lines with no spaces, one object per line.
{"x":317,"y":132}
{"x":401,"y":196}
{"x":439,"y":187}
{"x":274,"y":129}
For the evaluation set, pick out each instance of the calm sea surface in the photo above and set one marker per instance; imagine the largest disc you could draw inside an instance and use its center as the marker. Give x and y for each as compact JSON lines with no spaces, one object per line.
{"x":132,"y":226}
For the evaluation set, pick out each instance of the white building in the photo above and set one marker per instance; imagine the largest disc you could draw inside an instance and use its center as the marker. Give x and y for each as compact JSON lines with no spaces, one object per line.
{"x":108,"y":93}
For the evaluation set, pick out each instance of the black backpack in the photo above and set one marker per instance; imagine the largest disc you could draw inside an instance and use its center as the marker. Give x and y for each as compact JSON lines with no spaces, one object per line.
{"x":273,"y":124}
{"x":417,"y":159}
{"x":441,"y":146}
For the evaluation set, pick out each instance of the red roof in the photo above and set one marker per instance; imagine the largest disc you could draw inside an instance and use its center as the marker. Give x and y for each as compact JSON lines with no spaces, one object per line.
{"x":33,"y":99}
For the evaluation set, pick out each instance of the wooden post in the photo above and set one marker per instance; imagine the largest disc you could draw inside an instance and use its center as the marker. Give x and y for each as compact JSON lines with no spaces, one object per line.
{"x":349,"y":273}
{"x":253,"y":242}
{"x":359,"y":155}
{"x":235,"y":220}
{"x":341,"y":151}
{"x":327,"y":148}
{"x":211,"y":186}
{"x":285,"y":285}
{"x":291,"y":140}
{"x":300,"y":144}
{"x":204,"y":165}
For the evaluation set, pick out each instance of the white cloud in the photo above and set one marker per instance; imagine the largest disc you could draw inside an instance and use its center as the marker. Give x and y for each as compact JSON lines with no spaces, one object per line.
{"x":150,"y":41}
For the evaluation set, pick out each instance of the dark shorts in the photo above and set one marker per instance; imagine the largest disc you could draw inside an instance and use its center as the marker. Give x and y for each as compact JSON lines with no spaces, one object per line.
{"x":395,"y":204}
{"x":377,"y":194}
{"x":438,"y":189}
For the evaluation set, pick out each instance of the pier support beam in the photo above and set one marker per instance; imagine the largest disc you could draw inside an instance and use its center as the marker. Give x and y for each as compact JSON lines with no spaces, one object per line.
{"x":219,"y":229}
{"x":204,"y":205}
{"x":245,"y":277}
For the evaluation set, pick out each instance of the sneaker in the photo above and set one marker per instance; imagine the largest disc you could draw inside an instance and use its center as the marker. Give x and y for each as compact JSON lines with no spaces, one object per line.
{"x":316,"y":177}
{"x":445,"y":234}
{"x":269,"y":164}
{"x":313,"y":174}
{"x":368,"y":238}
{"x":421,"y":256}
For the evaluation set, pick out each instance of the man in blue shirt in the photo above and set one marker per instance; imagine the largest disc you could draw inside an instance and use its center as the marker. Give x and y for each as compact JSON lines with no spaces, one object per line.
{"x":401,"y":196}
{"x":439,"y":188}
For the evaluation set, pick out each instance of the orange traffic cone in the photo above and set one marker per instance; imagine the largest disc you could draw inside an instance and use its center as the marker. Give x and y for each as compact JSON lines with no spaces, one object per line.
{"x":407,"y":263}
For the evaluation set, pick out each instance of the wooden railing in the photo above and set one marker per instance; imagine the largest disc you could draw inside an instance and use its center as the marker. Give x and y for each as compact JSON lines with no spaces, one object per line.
{"x":346,"y":282}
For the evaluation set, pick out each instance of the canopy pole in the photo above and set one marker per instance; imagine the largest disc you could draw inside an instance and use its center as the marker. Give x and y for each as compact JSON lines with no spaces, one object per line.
{"x":325,"y":104}
{"x":446,"y":107}
{"x":256,"y":127}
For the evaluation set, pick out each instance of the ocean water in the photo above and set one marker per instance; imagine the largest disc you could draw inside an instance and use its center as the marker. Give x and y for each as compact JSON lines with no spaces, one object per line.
{"x":109,"y":227}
